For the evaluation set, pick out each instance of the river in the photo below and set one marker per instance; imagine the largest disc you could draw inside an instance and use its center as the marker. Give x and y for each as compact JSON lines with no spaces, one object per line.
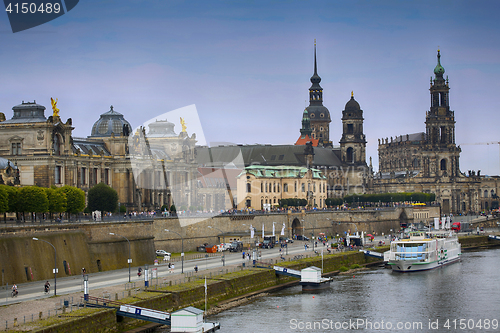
{"x":462,"y":297}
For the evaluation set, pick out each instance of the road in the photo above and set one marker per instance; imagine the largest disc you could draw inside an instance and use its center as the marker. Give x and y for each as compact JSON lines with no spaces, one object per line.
{"x":72,"y":284}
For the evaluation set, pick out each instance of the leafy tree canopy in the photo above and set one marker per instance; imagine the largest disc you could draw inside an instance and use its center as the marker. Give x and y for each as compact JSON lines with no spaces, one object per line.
{"x":102,"y":198}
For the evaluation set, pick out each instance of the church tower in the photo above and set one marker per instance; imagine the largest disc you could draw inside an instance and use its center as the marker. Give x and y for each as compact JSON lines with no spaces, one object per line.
{"x":318,"y":114}
{"x":353,"y":141}
{"x":440,"y":127}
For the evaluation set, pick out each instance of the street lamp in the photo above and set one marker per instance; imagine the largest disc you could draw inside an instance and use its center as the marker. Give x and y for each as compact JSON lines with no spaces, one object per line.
{"x":129,"y":258}
{"x":314,"y":232}
{"x":182,"y":249}
{"x":55,"y":263}
{"x":223,"y":241}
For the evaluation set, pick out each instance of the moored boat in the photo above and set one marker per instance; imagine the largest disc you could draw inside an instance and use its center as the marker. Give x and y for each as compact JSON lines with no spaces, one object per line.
{"x":422,"y":252}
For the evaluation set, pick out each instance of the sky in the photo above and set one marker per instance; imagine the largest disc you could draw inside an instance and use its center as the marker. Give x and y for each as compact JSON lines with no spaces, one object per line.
{"x":246,"y":66}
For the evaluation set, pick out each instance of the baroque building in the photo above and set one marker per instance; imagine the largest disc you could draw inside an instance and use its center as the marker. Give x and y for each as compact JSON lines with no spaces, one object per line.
{"x":429,"y":161}
{"x":46,"y":153}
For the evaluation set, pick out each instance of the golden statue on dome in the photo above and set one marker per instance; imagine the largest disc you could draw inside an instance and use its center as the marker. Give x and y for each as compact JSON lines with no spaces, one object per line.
{"x":54,"y":107}
{"x":183,"y":124}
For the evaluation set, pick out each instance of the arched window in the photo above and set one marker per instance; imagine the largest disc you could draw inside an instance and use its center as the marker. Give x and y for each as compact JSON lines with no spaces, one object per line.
{"x":350,"y":155}
{"x":285,"y":187}
{"x":485,"y":193}
{"x":261,"y":187}
{"x":249,"y":187}
{"x":443,"y":164}
{"x":57,"y":145}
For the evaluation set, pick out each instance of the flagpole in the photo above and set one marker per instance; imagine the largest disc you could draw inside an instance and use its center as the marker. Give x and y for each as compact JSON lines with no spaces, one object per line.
{"x":204,"y":317}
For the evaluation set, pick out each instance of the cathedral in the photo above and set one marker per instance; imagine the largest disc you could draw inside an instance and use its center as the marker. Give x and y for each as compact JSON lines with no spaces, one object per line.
{"x":429,"y":161}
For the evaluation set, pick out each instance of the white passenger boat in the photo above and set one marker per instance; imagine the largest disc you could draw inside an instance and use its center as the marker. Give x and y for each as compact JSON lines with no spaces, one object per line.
{"x":422,"y":252}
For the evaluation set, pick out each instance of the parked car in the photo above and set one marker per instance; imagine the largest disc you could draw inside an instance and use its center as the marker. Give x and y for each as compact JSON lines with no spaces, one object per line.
{"x":286,"y":240}
{"x":236,"y":247}
{"x":300,"y":237}
{"x":163,"y":253}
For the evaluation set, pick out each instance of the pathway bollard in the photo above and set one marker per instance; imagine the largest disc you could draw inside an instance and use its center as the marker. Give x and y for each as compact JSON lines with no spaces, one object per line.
{"x":15,"y":322}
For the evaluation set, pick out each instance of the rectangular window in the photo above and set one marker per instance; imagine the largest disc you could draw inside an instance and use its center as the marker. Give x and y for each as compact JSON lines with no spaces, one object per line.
{"x":281,"y":157}
{"x":303,"y":187}
{"x":350,"y":129}
{"x":16,"y":148}
{"x":106,"y":176}
{"x":95,"y":176}
{"x":83,"y":176}
{"x":58,"y":172}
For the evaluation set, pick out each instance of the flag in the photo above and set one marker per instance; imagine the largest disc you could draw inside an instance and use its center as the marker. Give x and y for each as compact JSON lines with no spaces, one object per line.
{"x":262,"y":230}
{"x":205,"y":286}
{"x":273,"y":229}
{"x":283,"y":230}
{"x":251,"y":231}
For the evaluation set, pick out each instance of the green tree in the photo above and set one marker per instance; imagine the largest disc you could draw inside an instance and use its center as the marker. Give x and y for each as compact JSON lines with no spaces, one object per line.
{"x":75,"y":199}
{"x":33,"y":199}
{"x":57,"y":200}
{"x":4,"y":199}
{"x":102,"y":198}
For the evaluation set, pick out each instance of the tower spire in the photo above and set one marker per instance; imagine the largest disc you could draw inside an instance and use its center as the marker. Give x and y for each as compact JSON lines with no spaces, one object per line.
{"x":315,"y":66}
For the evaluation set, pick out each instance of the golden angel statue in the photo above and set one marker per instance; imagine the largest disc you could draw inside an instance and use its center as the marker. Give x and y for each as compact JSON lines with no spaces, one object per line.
{"x":54,"y":107}
{"x":183,"y":124}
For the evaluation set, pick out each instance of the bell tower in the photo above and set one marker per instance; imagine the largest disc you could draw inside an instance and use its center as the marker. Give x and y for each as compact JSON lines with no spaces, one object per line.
{"x":440,"y":121}
{"x":353,"y":141}
{"x":440,"y":129}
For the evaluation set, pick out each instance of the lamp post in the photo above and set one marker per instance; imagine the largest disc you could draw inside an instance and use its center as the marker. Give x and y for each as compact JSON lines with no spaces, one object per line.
{"x":314,"y":232}
{"x":223,"y":241}
{"x":55,"y":263}
{"x":182,"y":249}
{"x":129,"y":259}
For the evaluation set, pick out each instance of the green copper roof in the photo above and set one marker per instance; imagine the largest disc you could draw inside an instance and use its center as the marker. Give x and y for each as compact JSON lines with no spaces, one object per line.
{"x":283,"y":171}
{"x":439,"y":70}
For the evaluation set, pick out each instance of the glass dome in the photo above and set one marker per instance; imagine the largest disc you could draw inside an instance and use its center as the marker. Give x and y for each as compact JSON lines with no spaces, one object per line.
{"x":111,"y":122}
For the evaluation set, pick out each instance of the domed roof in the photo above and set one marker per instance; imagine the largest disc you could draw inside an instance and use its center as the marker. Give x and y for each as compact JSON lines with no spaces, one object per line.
{"x":111,"y":122}
{"x":439,"y":70}
{"x":352,"y":105}
{"x":28,"y":112}
{"x":318,"y":113}
{"x":5,"y":163}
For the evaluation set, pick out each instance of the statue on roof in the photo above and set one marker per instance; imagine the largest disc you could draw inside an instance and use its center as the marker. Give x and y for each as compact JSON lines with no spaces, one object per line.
{"x":54,"y":107}
{"x":183,"y":124}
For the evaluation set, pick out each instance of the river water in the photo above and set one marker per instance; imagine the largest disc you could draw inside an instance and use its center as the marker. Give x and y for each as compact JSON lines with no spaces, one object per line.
{"x":462,"y":297}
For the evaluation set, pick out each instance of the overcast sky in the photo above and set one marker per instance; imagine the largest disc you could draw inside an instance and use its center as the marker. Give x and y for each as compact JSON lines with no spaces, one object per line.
{"x":246,"y":66}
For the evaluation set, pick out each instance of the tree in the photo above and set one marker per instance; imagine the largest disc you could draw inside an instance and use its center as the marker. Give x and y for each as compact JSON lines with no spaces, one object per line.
{"x":57,"y":200}
{"x":75,"y":199}
{"x":4,"y":199}
{"x":33,"y":199}
{"x":102,"y":198}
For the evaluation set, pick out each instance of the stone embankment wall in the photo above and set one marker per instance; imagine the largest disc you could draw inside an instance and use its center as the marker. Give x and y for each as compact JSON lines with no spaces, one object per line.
{"x":219,"y":290}
{"x":23,"y":259}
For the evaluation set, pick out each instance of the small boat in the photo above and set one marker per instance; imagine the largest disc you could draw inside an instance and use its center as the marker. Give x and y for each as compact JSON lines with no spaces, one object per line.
{"x":421,"y":252}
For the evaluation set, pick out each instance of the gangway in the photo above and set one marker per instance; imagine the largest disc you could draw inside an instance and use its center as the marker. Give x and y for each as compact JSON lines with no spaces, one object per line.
{"x":132,"y":311}
{"x":287,"y":271}
{"x":372,"y":253}
{"x":138,"y":312}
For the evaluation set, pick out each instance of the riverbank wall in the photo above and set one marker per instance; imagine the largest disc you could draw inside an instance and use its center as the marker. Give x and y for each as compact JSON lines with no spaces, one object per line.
{"x":219,"y":290}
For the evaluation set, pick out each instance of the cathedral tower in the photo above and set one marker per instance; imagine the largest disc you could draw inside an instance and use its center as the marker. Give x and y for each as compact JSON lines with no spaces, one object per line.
{"x":353,"y":141}
{"x":440,"y":127}
{"x":318,"y":114}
